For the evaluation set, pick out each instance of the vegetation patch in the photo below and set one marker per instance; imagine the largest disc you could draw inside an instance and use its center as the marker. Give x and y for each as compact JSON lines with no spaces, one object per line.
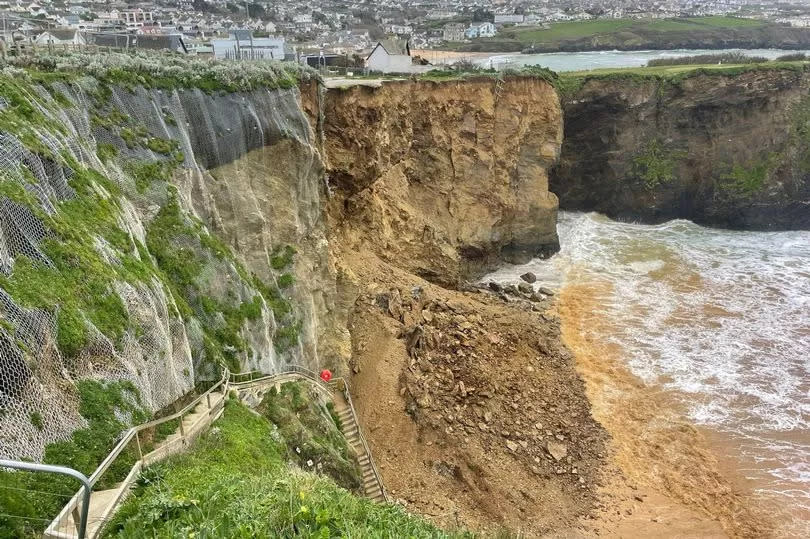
{"x":310,"y":435}
{"x":749,"y":178}
{"x":174,"y":72}
{"x":282,"y":257}
{"x":235,"y":483}
{"x":722,"y":58}
{"x":108,"y":408}
{"x":655,"y":164}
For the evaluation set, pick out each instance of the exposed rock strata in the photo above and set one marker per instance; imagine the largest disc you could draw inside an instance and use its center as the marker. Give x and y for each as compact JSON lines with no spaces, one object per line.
{"x":443,"y":179}
{"x":729,"y":150}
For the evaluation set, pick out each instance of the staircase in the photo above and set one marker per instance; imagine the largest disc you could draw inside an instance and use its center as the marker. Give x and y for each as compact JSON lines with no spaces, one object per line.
{"x":195,"y":418}
{"x":372,"y":485}
{"x":103,"y":503}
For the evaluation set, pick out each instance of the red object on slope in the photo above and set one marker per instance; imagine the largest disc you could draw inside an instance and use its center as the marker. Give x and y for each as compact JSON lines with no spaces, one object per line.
{"x":326,"y":375}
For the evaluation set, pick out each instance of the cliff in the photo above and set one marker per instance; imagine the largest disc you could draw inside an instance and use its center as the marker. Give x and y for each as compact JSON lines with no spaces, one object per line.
{"x":443,"y":179}
{"x":161,"y":220}
{"x":727,"y":147}
{"x":158,"y":222}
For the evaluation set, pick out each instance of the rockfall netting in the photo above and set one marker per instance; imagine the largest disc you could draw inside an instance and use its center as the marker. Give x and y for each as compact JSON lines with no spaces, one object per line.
{"x":115,"y":185}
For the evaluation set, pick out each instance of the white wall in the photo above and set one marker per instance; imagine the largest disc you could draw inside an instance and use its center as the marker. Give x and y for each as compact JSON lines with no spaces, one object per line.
{"x":380,"y":60}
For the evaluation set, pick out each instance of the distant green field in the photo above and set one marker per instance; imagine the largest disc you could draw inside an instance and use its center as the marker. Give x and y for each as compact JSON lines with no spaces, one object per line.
{"x":633,"y":34}
{"x":584,"y":29}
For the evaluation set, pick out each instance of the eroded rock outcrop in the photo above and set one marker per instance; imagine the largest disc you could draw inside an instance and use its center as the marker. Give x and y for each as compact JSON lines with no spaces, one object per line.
{"x":443,"y":179}
{"x":723,"y":148}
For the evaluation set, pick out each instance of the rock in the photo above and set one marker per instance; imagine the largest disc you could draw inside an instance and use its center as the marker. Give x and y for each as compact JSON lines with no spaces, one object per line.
{"x":495,"y":287}
{"x":529,"y":277}
{"x":557,"y":450}
{"x":526,"y":288}
{"x":487,"y":416}
{"x":511,"y":289}
{"x":512,"y":446}
{"x":546,"y":291}
{"x":537,"y":297}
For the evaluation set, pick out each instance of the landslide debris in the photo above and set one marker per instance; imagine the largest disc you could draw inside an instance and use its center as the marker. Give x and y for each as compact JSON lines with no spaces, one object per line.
{"x":473,"y":408}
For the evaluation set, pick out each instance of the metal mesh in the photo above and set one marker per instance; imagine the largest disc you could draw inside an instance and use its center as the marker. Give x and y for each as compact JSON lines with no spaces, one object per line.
{"x":161,"y":353}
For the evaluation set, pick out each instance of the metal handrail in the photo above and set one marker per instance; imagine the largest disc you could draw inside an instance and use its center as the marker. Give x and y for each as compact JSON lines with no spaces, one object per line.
{"x":122,"y":444}
{"x":374,"y":469}
{"x":133,"y":432}
{"x":48,"y":468}
{"x":314,"y":377}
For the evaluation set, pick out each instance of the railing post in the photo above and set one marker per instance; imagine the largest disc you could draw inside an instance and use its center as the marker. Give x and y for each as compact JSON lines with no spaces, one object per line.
{"x":182,"y":430}
{"x":81,"y":523}
{"x":208,"y":400}
{"x":138,"y":441}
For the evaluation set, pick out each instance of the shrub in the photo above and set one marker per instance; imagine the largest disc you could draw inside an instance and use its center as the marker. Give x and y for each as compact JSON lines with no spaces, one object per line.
{"x":722,"y":58}
{"x":794,"y":57}
{"x":282,"y":257}
{"x":285,"y":280}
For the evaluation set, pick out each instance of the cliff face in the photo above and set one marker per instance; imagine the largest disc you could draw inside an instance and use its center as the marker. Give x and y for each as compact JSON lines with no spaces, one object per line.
{"x":724,"y":149}
{"x":148,"y":236}
{"x":442,"y":179}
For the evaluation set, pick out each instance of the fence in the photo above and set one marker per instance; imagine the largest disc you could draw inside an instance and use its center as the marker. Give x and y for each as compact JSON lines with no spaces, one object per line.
{"x":94,"y":503}
{"x":23,"y":521}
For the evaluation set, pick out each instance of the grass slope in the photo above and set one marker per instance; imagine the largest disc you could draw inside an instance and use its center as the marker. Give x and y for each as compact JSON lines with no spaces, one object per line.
{"x":630,"y":34}
{"x":235,"y":483}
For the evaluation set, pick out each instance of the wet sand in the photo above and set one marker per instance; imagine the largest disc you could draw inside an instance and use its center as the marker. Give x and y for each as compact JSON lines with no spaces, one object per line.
{"x":669,"y":479}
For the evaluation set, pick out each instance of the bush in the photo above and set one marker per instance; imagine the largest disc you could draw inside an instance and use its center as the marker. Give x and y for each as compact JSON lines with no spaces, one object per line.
{"x":794,"y":57}
{"x":723,"y":58}
{"x":282,"y":257}
{"x":234,"y":483}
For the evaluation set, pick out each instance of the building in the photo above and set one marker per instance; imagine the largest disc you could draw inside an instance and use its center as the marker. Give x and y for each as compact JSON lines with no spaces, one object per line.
{"x":390,"y":56}
{"x":60,"y":36}
{"x":136,"y":17}
{"x":241,"y":45}
{"x":509,"y":19}
{"x":480,"y":29}
{"x":453,"y":31}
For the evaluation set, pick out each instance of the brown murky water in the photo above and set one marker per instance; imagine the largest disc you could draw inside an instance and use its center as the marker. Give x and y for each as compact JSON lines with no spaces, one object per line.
{"x":695,"y":344}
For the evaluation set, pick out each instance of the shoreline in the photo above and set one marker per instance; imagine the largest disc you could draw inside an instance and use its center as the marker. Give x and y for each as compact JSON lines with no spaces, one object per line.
{"x":666,"y":475}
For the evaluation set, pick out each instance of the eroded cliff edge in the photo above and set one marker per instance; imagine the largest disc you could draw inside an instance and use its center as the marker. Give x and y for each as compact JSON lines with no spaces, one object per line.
{"x":442,"y":179}
{"x":729,"y":148}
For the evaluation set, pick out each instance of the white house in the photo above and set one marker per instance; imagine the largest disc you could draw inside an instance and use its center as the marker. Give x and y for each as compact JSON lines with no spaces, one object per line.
{"x":508,"y":19}
{"x":241,"y":46}
{"x":390,"y":56}
{"x":60,"y":36}
{"x":480,"y":29}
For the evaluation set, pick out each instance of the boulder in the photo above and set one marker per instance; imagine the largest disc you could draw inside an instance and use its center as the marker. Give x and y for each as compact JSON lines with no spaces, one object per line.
{"x":526,"y":288}
{"x":529,"y":277}
{"x":557,"y":450}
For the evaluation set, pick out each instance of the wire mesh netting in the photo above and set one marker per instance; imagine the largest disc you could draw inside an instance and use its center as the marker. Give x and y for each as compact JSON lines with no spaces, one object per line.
{"x":162,"y":349}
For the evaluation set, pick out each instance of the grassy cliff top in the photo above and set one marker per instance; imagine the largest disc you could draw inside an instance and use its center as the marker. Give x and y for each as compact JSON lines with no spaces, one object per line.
{"x":154,"y":70}
{"x":568,"y":83}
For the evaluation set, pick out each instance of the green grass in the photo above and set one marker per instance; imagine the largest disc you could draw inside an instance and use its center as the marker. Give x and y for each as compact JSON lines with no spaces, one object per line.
{"x":235,"y":483}
{"x":570,"y":82}
{"x":632,"y":34}
{"x":312,"y":438}
{"x":101,"y":404}
{"x":571,"y":30}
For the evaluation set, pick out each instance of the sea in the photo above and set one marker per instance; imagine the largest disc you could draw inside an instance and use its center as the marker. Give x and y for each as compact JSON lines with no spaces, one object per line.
{"x":720,"y":318}
{"x":577,"y":61}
